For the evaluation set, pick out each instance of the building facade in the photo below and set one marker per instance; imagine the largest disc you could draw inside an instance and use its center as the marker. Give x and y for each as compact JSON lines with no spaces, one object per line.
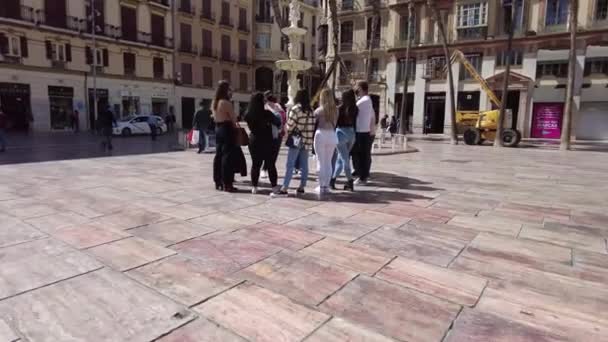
{"x":270,"y":46}
{"x":214,"y":42}
{"x":47,"y":57}
{"x":539,"y":64}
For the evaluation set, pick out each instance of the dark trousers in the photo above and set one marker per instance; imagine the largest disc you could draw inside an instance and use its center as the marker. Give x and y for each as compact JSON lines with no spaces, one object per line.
{"x":362,"y":154}
{"x":276,"y":148}
{"x":106,"y":142}
{"x":152,"y":131}
{"x":262,"y":153}
{"x":202,"y":141}
{"x":223,"y":170}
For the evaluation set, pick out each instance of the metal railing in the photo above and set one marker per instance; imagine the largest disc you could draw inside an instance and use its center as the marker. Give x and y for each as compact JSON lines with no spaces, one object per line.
{"x":76,"y":24}
{"x":264,"y":19}
{"x":183,"y":8}
{"x":226,"y":22}
{"x":160,"y":2}
{"x":472,"y":33}
{"x":112,"y":31}
{"x":243,"y":27}
{"x":208,"y":15}
{"x":225,"y":57}
{"x":28,"y":14}
{"x":346,"y":47}
{"x":188,"y":48}
{"x":144,"y":37}
{"x":208,"y":53}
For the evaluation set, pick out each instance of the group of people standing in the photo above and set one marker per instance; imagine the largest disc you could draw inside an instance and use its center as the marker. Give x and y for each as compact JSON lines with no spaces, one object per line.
{"x":334,"y":132}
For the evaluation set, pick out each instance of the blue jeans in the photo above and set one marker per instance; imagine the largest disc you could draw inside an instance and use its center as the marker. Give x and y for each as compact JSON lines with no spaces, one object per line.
{"x":293,"y":155}
{"x":202,"y":140}
{"x":346,"y":141}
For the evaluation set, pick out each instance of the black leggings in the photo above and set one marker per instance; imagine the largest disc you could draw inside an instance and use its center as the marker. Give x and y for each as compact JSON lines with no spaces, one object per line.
{"x":225,"y":145}
{"x":262,"y":152}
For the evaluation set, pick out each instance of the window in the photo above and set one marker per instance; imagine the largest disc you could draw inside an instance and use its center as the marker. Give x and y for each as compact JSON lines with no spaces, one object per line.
{"x":476,"y":61}
{"x":404,"y":27}
{"x":519,"y":15}
{"x":128,"y":17}
{"x":14,"y":46}
{"x":225,"y":12}
{"x":185,"y":32}
{"x":243,"y":51}
{"x":597,"y":65}
{"x":206,"y":9}
{"x":226,"y":75}
{"x":472,"y":15}
{"x":516,"y":58}
{"x":601,"y":10}
{"x":262,"y":41}
{"x":411,"y":69}
{"x":346,"y":36}
{"x":207,"y":49}
{"x":377,"y":32}
{"x":55,"y":13}
{"x":129,"y":63}
{"x":553,"y":68}
{"x":557,"y":12}
{"x":159,"y":67}
{"x":243,"y":81}
{"x":344,"y":73}
{"x":226,"y":48}
{"x":158,"y":30}
{"x":314,"y":25}
{"x":434,"y":68}
{"x":58,"y":52}
{"x":313,"y":54}
{"x":374,"y":67}
{"x":97,"y":57}
{"x":186,"y":70}
{"x":243,"y":19}
{"x":207,"y":77}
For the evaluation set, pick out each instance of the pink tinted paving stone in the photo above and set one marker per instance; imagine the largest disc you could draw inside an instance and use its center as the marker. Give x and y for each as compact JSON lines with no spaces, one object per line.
{"x":53,"y":222}
{"x":335,"y":210}
{"x":478,"y":326}
{"x":224,"y":221}
{"x":374,"y":217}
{"x":102,"y":306}
{"x":571,"y":238}
{"x":171,"y":232}
{"x":441,"y":282}
{"x":269,"y":213}
{"x":491,"y":224}
{"x":339,"y":330}
{"x":280,"y":235}
{"x":261,"y":315}
{"x":185,"y":211}
{"x":222,"y":253}
{"x":129,"y":253}
{"x":180,"y":279}
{"x":392,"y":310}
{"x":414,"y":212}
{"x":590,"y":259}
{"x":13,"y":231}
{"x":352,"y":256}
{"x":302,"y":278}
{"x":336,"y":228}
{"x":202,"y":330}
{"x":132,"y":218}
{"x":88,"y":235}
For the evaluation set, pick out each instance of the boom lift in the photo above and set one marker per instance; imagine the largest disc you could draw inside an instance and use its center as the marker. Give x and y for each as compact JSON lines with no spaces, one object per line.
{"x":482,"y":125}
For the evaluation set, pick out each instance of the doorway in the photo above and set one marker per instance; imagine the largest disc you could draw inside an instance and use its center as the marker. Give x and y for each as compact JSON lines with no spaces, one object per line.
{"x":102,"y":105}
{"x":15,"y":102}
{"x":434,"y":114}
{"x":188,"y":107}
{"x":376,"y":106}
{"x":512,"y":104}
{"x":61,"y":105}
{"x":409,"y":110}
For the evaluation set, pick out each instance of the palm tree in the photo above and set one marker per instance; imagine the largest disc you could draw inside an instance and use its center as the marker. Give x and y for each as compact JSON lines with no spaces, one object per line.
{"x":508,"y":12}
{"x":444,"y":42}
{"x":403,"y":124}
{"x":567,"y":123}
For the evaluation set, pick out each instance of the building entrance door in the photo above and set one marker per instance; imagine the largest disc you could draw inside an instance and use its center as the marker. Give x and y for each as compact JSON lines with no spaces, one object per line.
{"x":434,"y":114}
{"x":187,"y":112}
{"x":15,"y":102}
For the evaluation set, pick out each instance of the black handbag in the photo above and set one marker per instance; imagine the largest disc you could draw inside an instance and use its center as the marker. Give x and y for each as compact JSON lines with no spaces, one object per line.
{"x":294,"y":139}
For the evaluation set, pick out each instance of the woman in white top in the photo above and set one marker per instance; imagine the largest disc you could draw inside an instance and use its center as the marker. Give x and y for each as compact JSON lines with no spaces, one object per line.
{"x":325,"y":138}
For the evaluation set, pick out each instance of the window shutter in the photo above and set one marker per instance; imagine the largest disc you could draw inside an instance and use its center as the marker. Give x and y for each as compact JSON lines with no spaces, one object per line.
{"x":23,"y":43}
{"x":89,"y":55}
{"x":3,"y":44}
{"x":49,"y":49}
{"x":106,"y":58}
{"x":68,"y":52}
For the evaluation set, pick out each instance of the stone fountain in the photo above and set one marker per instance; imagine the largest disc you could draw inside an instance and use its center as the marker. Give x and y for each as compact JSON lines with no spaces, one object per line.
{"x":293,"y":65}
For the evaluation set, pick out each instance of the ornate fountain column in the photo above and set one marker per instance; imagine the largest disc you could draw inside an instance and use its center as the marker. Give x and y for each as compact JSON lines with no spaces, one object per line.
{"x":293,"y":65}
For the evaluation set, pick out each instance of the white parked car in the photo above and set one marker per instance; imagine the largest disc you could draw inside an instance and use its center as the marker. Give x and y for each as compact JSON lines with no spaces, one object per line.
{"x":138,"y":125}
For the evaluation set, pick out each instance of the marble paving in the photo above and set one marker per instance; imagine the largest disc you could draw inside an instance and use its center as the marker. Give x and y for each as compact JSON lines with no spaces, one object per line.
{"x":453,"y":243}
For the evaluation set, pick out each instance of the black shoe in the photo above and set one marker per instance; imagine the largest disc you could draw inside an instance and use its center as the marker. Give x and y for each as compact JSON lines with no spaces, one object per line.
{"x":350,"y":185}
{"x":300,"y":191}
{"x":230,"y":189}
{"x":199,"y":151}
{"x":219,"y":187}
{"x":332,"y":184}
{"x":355,"y":174}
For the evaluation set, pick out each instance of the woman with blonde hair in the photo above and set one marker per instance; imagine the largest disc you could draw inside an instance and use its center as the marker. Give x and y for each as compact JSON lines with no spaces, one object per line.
{"x":326,"y":140}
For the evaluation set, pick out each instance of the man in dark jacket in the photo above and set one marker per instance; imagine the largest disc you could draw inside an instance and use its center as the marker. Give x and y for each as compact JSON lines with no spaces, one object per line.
{"x":3,"y":124}
{"x":107,"y":122}
{"x":201,"y":121}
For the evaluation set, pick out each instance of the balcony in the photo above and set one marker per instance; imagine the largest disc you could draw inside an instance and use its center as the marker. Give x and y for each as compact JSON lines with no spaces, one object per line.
{"x":226,"y":22}
{"x":76,"y":24}
{"x":556,"y":27}
{"x":208,"y":16}
{"x":161,"y":3}
{"x":346,"y":47}
{"x":243,"y":27}
{"x":243,"y":60}
{"x":144,"y":37}
{"x":185,"y":9}
{"x":263,"y":19}
{"x":10,"y":59}
{"x":58,"y":64}
{"x":158,"y":74}
{"x":375,"y":43}
{"x":28,"y":14}
{"x":112,"y":31}
{"x":226,"y":57}
{"x":208,"y":53}
{"x":130,"y":72}
{"x":472,"y":33}
{"x":348,"y":5}
{"x":186,"y":47}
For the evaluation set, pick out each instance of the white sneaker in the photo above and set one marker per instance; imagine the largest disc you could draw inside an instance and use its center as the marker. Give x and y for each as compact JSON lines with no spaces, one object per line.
{"x":264,"y":174}
{"x":318,"y":190}
{"x":254,"y":190}
{"x":360,"y":181}
{"x":276,"y":189}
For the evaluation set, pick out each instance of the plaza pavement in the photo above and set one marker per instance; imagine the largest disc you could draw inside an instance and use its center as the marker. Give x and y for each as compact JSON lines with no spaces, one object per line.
{"x":451,"y":243}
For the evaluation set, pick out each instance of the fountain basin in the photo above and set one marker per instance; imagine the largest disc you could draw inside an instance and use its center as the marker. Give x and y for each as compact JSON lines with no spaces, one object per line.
{"x":293,"y":65}
{"x":293,"y":31}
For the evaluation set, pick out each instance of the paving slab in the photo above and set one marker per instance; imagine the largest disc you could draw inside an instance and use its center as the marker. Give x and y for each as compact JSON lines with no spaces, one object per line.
{"x":352,"y":256}
{"x":87,"y":235}
{"x":335,"y":210}
{"x":170,"y":232}
{"x":268,"y":212}
{"x":50,"y":223}
{"x":180,"y":279}
{"x":340,"y":330}
{"x":456,"y":287}
{"x":126,"y":254}
{"x":14,"y":231}
{"x":392,"y":310}
{"x":132,"y":218}
{"x":491,"y":224}
{"x":373,"y":218}
{"x":262,"y":315}
{"x":103,"y":304}
{"x":225,"y":221}
{"x":224,"y":253}
{"x":280,"y":235}
{"x":202,"y":330}
{"x":6,"y":333}
{"x":566,"y":237}
{"x":302,"y":278}
{"x":185,"y":211}
{"x":425,"y":214}
{"x":334,"y":227}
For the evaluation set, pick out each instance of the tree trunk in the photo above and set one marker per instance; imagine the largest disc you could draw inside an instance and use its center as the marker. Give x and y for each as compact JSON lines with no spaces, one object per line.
{"x":278,"y":15}
{"x":404,"y":121}
{"x":446,"y":53}
{"x":333,"y":12}
{"x":507,"y":73}
{"x":567,"y":122}
{"x":375,"y":21}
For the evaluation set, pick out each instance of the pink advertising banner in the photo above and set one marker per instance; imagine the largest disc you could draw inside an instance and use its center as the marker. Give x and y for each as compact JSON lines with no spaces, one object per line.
{"x":547,"y":120}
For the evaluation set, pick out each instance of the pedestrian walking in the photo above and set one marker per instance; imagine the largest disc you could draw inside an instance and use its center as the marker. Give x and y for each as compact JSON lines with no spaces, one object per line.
{"x":3,"y":125}
{"x":75,"y":121}
{"x":300,"y":130}
{"x":347,"y":117}
{"x":107,"y":123}
{"x":201,"y":121}
{"x":392,"y":127}
{"x":325,"y":140}
{"x":278,"y":131}
{"x":153,"y":124}
{"x":228,"y":155}
{"x":260,"y":122}
{"x":365,"y":130}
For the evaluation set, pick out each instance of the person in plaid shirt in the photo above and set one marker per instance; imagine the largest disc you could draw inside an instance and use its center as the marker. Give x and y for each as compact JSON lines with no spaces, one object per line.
{"x":301,"y":125}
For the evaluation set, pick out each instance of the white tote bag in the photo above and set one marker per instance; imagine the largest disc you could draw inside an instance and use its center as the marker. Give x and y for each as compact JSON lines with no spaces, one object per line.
{"x":195,"y":137}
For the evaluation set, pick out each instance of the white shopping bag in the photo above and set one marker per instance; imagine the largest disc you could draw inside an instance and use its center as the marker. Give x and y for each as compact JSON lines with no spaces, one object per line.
{"x":195,"y":137}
